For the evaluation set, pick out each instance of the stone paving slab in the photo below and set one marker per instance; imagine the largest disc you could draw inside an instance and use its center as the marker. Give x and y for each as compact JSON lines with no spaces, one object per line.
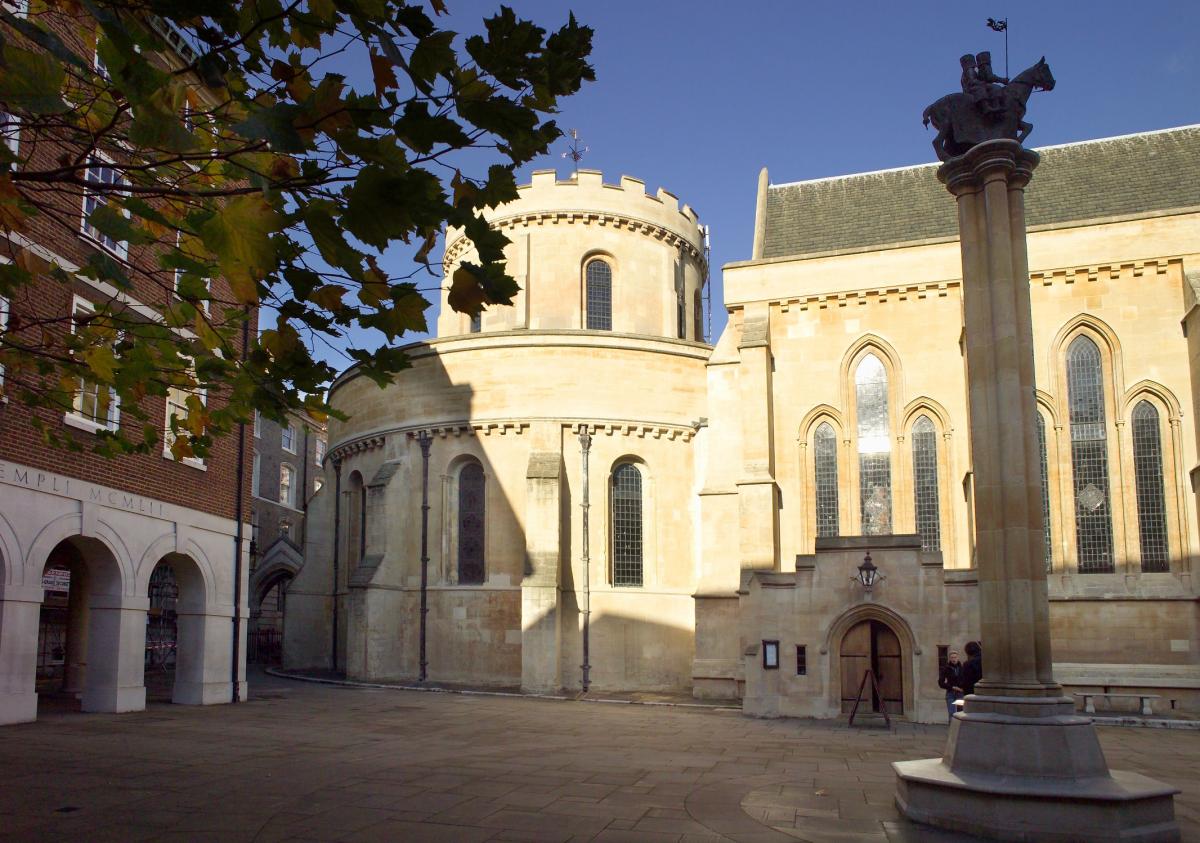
{"x":322,"y":763}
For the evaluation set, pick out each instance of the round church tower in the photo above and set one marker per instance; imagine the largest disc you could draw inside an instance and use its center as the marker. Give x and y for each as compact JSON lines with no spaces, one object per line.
{"x":474,"y":461}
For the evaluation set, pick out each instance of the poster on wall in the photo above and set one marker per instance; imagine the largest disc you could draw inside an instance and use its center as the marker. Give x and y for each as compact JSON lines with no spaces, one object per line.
{"x":56,"y":579}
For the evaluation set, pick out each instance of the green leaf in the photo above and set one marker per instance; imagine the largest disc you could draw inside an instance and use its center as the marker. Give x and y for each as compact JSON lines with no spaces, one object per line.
{"x":114,"y":224}
{"x":384,"y":206}
{"x":433,"y":55}
{"x":31,"y":82}
{"x":239,"y":235}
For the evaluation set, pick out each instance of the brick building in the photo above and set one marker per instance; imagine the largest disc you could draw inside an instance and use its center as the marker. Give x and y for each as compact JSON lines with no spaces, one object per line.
{"x":108,"y":566}
{"x":285,"y":474}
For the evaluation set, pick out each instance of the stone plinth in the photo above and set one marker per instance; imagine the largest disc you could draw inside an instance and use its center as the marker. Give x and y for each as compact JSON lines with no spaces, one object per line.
{"x":1019,"y":765}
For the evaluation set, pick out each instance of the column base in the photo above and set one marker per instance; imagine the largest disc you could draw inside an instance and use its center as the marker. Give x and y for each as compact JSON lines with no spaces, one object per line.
{"x":1120,"y":807}
{"x":203,"y":693}
{"x":114,"y":700}
{"x":1028,"y":769}
{"x":18,"y":708}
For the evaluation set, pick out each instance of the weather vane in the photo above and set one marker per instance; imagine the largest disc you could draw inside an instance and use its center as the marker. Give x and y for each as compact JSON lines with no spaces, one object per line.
{"x":576,"y":152}
{"x":1001,"y":26}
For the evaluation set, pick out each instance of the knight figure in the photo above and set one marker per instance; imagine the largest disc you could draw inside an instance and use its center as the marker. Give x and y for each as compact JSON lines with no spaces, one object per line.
{"x":981,"y":84}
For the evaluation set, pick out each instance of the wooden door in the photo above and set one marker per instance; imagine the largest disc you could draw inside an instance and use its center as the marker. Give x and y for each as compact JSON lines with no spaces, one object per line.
{"x":888,"y":665}
{"x":855,"y":659}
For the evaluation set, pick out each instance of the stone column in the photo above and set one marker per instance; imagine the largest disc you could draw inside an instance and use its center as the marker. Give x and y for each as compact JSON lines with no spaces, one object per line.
{"x":757,"y":492}
{"x":1019,"y":764}
{"x":116,"y":654}
{"x":20,"y":610}
{"x":75,"y":662}
{"x":541,"y":633}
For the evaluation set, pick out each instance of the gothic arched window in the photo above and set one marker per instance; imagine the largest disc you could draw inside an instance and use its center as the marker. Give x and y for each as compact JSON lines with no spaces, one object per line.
{"x":627,"y":525}
{"x":826,"y":469}
{"x":472,"y":510}
{"x":874,"y":447}
{"x":599,"y":295}
{"x":1043,"y":464}
{"x":1089,"y":457}
{"x":925,"y":484}
{"x":1151,"y":505}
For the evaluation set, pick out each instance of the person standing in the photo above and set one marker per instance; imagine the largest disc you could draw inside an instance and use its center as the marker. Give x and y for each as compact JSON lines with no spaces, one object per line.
{"x":973,"y":669}
{"x":950,"y":679}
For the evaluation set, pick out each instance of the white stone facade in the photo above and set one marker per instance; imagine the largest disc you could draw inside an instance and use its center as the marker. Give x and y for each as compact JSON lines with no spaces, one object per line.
{"x":111,"y":541}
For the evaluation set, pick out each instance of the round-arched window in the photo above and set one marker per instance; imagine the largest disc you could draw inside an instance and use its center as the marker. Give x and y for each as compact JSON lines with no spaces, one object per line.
{"x":598,"y":278}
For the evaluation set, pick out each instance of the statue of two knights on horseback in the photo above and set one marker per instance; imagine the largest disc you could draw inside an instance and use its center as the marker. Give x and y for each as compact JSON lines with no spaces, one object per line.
{"x":990,"y":107}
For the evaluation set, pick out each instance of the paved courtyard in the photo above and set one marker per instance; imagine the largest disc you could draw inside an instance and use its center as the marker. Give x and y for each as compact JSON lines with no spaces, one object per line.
{"x":311,"y":762}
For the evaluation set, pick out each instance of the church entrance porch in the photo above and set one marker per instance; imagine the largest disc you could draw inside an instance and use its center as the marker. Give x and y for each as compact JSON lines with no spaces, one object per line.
{"x":872,"y":645}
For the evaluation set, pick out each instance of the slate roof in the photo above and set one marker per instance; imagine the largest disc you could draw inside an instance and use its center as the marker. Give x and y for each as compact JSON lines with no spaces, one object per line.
{"x":1129,"y":175}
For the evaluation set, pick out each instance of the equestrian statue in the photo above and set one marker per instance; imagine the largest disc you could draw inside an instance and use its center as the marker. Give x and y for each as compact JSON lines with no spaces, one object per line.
{"x":990,"y":107}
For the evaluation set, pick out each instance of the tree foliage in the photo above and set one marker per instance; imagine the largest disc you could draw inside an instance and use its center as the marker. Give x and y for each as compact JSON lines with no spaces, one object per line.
{"x":282,"y":146}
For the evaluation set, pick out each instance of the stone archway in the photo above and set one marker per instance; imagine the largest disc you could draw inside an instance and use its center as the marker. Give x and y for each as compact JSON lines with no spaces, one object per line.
{"x":184,"y":640}
{"x":268,"y":594}
{"x":89,"y":642}
{"x":872,"y":636}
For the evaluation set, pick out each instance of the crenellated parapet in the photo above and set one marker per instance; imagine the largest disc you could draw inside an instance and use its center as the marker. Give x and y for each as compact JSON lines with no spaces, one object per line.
{"x":585,"y":199}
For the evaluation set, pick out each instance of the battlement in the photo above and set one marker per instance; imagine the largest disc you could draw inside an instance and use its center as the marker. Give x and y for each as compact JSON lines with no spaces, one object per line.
{"x":630,"y":193}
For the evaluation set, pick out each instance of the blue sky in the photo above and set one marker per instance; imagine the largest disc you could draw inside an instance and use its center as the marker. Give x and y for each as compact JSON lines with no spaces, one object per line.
{"x":698,"y":96}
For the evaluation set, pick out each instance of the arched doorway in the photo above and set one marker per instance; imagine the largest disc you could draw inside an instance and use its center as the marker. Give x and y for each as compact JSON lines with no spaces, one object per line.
{"x":872,"y":644}
{"x":80,"y":582}
{"x":176,"y":628}
{"x":265,"y":645}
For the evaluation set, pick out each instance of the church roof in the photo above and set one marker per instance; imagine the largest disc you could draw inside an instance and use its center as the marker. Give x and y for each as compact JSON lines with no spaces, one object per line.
{"x":1111,"y":177}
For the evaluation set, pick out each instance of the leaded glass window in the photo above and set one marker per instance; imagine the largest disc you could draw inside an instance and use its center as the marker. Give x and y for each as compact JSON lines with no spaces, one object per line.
{"x":599,"y":296}
{"x":925,"y":484}
{"x":826,"y":468}
{"x":476,"y":322}
{"x":681,"y":313}
{"x":1147,"y":469}
{"x":1089,"y":457}
{"x":874,"y":447}
{"x":1045,"y":473}
{"x":471,"y":513}
{"x":627,"y":525}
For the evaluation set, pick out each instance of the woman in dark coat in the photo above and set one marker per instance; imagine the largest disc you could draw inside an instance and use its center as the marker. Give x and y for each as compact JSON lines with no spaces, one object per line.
{"x":950,"y":679}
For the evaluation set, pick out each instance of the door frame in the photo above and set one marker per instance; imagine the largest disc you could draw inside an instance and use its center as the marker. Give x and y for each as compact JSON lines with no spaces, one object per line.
{"x":908,"y":652}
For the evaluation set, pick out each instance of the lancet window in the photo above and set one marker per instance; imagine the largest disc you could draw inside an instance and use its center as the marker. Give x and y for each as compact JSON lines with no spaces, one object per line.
{"x":598,"y":278}
{"x":874,"y":447}
{"x":1089,"y":457}
{"x":925,"y":484}
{"x":472,"y":511}
{"x":826,"y":468}
{"x":1148,"y":472}
{"x":626,"y":517}
{"x":1044,"y":468}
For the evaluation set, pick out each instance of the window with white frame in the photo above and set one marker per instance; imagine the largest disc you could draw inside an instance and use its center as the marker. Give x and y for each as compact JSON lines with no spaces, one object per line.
{"x":94,"y":404}
{"x":10,"y":131}
{"x":177,"y":408}
{"x":179,"y":276}
{"x":20,"y":8}
{"x":106,"y":177}
{"x":287,"y":485}
{"x":287,"y":439}
{"x":257,"y":424}
{"x":320,"y":452}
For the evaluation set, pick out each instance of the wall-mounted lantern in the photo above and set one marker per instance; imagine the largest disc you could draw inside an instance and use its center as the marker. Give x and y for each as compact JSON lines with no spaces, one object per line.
{"x":868,"y":574}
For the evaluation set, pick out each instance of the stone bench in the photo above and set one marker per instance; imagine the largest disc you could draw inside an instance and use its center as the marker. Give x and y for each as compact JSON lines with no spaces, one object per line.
{"x":1089,"y":700}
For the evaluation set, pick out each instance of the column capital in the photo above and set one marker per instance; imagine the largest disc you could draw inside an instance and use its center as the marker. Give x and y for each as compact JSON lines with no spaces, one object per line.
{"x":989,"y":161}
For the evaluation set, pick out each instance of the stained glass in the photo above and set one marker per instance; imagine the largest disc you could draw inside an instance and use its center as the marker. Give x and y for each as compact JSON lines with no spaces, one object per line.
{"x":874,"y":447}
{"x":825,"y":464}
{"x":1089,"y":457}
{"x":471,"y":512}
{"x":627,"y":525}
{"x":599,"y":296}
{"x":1147,"y":469}
{"x":925,"y":484}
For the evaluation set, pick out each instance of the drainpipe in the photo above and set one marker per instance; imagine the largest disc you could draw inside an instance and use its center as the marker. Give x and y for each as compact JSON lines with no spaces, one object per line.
{"x":585,"y":443}
{"x":424,"y":439}
{"x":239,"y":505}
{"x":337,"y":544}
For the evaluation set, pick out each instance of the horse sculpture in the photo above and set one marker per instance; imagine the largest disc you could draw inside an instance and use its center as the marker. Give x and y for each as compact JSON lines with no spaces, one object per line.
{"x":962,"y":123}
